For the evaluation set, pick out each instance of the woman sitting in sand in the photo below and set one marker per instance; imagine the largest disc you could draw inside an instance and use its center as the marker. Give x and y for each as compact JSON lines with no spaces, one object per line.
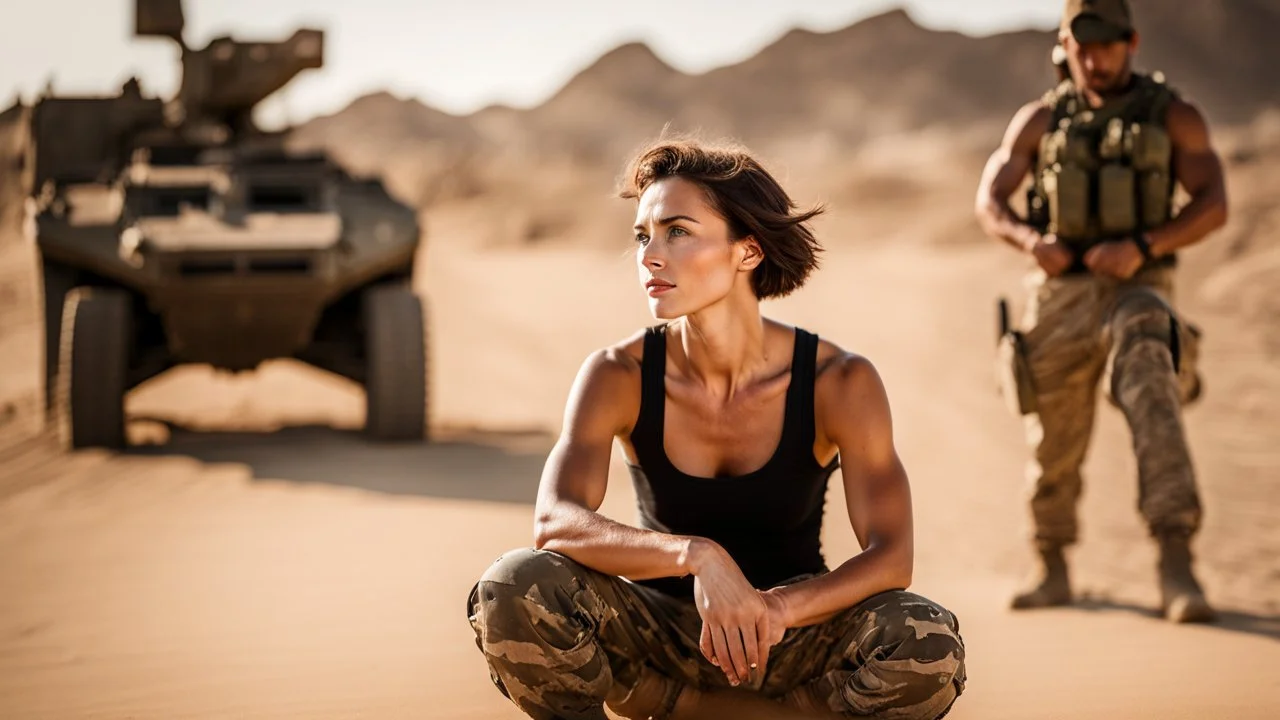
{"x":721,"y":604}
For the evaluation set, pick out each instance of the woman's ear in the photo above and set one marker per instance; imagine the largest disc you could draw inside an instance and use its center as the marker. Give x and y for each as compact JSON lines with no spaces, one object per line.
{"x":750,"y":253}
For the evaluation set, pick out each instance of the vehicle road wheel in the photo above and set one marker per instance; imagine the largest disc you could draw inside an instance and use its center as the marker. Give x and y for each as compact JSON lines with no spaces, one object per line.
{"x":395,"y":350}
{"x":93,"y":358}
{"x":56,"y":281}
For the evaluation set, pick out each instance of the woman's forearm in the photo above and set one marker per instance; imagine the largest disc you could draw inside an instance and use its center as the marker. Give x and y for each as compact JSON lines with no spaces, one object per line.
{"x":871,"y":572}
{"x":611,"y":547}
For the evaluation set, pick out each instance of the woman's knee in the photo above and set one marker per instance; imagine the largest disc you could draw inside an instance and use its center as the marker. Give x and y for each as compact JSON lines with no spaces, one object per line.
{"x":525,"y":588}
{"x":917,"y":662}
{"x":527,"y":568}
{"x":535,"y":626}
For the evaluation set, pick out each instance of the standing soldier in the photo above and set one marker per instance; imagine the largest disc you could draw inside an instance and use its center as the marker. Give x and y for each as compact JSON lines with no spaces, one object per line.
{"x":1105,"y":150}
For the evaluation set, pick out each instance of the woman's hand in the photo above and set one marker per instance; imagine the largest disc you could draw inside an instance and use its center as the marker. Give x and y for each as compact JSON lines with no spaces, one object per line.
{"x":739,"y":623}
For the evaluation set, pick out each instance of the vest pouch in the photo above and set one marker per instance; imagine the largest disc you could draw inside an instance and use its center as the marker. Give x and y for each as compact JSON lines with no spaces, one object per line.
{"x":1152,"y":148}
{"x":1113,"y":144}
{"x":1067,"y":188}
{"x":1116,"y":211}
{"x":1079,"y":148}
{"x":1051,"y":148}
{"x":1155,"y":198}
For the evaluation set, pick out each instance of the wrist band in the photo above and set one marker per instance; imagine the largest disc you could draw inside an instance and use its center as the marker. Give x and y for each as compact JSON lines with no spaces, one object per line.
{"x":1144,"y":247}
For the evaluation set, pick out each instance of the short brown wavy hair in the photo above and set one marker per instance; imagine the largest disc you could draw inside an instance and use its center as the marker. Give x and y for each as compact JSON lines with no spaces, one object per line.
{"x":747,"y":196}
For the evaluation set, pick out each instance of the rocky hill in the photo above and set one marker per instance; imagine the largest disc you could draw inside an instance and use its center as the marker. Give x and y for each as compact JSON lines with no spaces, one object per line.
{"x":810,"y":99}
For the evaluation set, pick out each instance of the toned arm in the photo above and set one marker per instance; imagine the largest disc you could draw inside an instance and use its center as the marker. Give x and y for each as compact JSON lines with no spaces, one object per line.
{"x":602,"y":404}
{"x":853,"y":411}
{"x":1005,"y":171}
{"x":1198,"y":169}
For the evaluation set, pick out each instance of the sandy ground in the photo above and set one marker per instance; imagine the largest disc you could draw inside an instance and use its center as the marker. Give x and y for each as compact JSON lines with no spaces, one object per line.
{"x":253,"y":557}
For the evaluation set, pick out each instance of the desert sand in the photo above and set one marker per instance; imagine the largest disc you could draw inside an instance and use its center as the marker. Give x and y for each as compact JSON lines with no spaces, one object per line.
{"x":252,"y":556}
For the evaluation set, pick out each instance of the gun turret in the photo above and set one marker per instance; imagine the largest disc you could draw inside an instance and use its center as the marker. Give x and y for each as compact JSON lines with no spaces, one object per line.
{"x":224,"y":81}
{"x":89,"y":139}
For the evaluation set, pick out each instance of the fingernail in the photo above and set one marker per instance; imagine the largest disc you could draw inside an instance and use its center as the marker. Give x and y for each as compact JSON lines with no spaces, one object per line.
{"x":753,"y":666}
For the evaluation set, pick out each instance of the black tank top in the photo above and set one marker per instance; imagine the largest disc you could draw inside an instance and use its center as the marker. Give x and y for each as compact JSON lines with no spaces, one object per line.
{"x":769,"y":520}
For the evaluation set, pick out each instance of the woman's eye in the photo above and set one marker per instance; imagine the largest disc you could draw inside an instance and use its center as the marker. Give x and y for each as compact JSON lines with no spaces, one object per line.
{"x":642,"y":239}
{"x":678,"y":231}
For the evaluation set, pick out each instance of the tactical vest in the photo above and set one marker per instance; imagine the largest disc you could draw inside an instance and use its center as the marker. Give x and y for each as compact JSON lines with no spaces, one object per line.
{"x":1104,"y":173}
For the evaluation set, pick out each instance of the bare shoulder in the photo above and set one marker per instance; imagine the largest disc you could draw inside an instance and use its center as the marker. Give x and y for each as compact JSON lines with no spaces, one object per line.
{"x":1029,"y":123}
{"x":1035,"y":112}
{"x":614,"y":365}
{"x":851,"y":410}
{"x":606,"y":391}
{"x":844,"y":376}
{"x":1182,"y":111}
{"x":1186,"y":123}
{"x":625,"y":355}
{"x":1009,"y":163}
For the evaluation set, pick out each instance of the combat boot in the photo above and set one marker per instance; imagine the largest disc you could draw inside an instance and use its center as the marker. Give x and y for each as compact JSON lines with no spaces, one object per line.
{"x":1053,"y":586}
{"x":1181,"y":598}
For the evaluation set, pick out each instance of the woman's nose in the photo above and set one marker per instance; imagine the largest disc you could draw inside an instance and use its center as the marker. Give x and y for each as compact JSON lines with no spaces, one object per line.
{"x":650,"y":257}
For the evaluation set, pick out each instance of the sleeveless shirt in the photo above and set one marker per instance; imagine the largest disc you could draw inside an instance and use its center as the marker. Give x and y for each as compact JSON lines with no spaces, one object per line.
{"x":769,"y":520}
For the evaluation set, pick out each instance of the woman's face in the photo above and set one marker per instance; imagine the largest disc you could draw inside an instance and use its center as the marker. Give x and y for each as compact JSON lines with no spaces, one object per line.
{"x":684,"y":250}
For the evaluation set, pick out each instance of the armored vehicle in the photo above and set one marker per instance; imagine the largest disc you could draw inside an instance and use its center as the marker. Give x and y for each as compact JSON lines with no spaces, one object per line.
{"x":177,"y":231}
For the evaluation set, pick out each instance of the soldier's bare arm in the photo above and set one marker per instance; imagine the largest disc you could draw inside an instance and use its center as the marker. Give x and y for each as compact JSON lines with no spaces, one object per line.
{"x":853,"y":412}
{"x":1004,"y":172}
{"x":602,"y":404}
{"x":1198,"y":168}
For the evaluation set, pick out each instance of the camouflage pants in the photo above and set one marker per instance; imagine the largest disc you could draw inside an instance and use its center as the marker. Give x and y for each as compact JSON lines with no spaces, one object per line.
{"x":1081,"y":330}
{"x":562,"y":640}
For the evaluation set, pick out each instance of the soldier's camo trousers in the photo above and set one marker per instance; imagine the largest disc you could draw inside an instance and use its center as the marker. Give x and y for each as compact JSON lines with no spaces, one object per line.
{"x":1081,"y":329}
{"x":562,"y":640}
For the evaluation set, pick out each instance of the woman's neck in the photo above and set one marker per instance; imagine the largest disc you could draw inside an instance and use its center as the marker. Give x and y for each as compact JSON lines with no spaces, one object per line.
{"x":724,"y":346}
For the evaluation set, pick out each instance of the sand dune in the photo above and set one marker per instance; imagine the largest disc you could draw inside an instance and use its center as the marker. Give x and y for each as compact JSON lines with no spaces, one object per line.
{"x":830,"y":94}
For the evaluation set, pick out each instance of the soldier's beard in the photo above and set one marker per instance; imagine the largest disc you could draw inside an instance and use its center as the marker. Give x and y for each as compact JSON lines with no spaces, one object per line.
{"x":1102,"y":83}
{"x":1108,"y":83}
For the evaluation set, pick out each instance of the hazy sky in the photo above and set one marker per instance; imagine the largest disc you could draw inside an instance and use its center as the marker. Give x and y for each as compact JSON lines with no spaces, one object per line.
{"x":456,"y":55}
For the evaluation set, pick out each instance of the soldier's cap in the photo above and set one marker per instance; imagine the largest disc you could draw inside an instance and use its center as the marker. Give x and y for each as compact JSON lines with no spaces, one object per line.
{"x":1098,"y":21}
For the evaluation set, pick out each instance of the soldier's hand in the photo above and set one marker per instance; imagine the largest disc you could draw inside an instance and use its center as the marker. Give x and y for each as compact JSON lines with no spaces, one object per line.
{"x":1051,"y":255}
{"x":1118,"y":259}
{"x":731,"y":610}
